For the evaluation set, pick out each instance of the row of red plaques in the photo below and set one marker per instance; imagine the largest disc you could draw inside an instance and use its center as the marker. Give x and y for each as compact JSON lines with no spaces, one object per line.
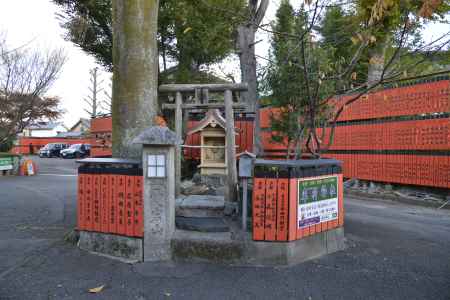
{"x":110,"y":204}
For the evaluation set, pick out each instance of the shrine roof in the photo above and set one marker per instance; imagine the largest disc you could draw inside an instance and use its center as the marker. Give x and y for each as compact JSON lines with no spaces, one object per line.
{"x":213,"y":117}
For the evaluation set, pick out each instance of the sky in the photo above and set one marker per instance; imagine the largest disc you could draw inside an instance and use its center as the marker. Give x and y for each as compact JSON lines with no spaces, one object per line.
{"x":34,"y":23}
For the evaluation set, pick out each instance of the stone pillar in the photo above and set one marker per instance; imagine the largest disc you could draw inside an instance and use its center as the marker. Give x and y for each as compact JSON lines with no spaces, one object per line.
{"x":158,"y":158}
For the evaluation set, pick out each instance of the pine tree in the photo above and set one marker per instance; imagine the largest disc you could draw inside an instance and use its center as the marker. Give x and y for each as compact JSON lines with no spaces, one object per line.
{"x":286,"y":81}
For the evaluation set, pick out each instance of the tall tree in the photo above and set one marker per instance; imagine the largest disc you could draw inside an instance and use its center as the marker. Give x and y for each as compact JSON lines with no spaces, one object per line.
{"x":92,"y":100}
{"x":318,"y":76}
{"x":188,"y":33}
{"x":135,"y":79}
{"x":337,"y":29}
{"x":194,"y":36}
{"x":246,"y":34}
{"x":385,"y":19}
{"x":25,"y":78}
{"x":287,"y":82}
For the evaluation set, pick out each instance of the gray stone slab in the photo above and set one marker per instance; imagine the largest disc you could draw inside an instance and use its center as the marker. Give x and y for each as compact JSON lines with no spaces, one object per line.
{"x":212,"y":247}
{"x":201,"y":224}
{"x":203,"y":201}
{"x":113,"y":245}
{"x":200,"y":206}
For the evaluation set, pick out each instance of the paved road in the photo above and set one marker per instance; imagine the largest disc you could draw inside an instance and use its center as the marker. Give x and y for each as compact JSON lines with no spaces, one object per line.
{"x":395,"y":251}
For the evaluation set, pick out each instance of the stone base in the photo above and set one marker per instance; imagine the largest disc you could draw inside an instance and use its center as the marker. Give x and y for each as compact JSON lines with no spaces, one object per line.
{"x":228,"y":248}
{"x":214,"y":180}
{"x":219,"y":247}
{"x":123,"y":247}
{"x":289,"y":253}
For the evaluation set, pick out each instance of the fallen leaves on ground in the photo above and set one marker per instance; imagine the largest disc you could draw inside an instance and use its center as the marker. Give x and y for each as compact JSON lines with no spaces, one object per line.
{"x":96,"y":289}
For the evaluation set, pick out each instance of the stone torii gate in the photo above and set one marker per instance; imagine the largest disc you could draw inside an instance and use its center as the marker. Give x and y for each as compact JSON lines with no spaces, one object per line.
{"x":228,"y":104}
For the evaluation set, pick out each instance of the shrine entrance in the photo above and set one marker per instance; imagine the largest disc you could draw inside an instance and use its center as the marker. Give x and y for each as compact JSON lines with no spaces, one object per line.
{"x":218,"y":146}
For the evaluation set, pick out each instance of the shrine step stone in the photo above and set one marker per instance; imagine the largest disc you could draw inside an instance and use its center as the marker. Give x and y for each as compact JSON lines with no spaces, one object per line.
{"x":201,"y":224}
{"x":200,"y":206}
{"x":206,"y":246}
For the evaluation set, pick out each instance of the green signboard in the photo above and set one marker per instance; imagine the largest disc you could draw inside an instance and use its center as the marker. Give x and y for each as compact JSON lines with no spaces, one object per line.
{"x":6,"y":163}
{"x":317,"y":200}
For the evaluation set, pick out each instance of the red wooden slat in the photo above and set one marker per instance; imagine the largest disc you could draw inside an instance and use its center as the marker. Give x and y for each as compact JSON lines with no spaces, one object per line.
{"x":80,"y":202}
{"x":138,"y":207}
{"x":270,"y":222}
{"x":120,"y":192}
{"x":129,"y":205}
{"x":282,"y":209}
{"x":105,"y":202}
{"x":259,"y":208}
{"x":113,"y":204}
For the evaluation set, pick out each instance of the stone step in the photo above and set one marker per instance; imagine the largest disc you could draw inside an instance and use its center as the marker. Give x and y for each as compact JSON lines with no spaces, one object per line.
{"x":200,"y":206}
{"x":202,"y":224}
{"x":213,"y":247}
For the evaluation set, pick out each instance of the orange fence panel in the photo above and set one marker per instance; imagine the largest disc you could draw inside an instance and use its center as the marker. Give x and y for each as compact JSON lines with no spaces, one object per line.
{"x":259,"y":200}
{"x":81,"y":201}
{"x":105,"y":202}
{"x":282,"y":209}
{"x":129,"y":205}
{"x":138,"y":207}
{"x":270,"y":221}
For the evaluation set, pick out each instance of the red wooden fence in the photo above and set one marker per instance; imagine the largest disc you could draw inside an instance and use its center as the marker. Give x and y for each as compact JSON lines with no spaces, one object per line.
{"x":404,"y":131}
{"x":398,"y":135}
{"x":423,"y":98}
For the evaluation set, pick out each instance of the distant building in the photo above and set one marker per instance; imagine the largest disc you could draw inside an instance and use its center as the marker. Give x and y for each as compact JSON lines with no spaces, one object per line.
{"x":44,"y":129}
{"x":81,"y":128}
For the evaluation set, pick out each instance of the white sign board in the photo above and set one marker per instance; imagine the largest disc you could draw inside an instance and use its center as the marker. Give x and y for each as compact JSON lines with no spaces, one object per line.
{"x":317,"y":200}
{"x":6,"y":163}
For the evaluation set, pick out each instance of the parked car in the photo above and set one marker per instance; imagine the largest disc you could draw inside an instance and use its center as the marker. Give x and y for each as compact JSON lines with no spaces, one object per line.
{"x":76,"y":151}
{"x":52,"y":150}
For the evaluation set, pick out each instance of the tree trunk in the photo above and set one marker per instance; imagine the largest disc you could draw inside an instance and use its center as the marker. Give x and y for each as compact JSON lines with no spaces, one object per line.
{"x":135,"y":80}
{"x":247,"y":59}
{"x":246,"y":51}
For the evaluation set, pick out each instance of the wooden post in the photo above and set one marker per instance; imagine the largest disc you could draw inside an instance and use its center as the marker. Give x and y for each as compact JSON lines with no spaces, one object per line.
{"x":231,"y":149}
{"x":198,"y":95}
{"x":205,"y":96}
{"x":244,"y":203}
{"x":179,"y":133}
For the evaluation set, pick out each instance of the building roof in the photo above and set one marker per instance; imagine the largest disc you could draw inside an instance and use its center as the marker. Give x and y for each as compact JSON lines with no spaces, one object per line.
{"x":85,"y":122}
{"x":44,"y":125}
{"x":69,"y":134}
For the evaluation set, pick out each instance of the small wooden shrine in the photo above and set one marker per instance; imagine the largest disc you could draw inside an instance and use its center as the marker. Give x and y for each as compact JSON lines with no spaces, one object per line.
{"x":212,"y":129}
